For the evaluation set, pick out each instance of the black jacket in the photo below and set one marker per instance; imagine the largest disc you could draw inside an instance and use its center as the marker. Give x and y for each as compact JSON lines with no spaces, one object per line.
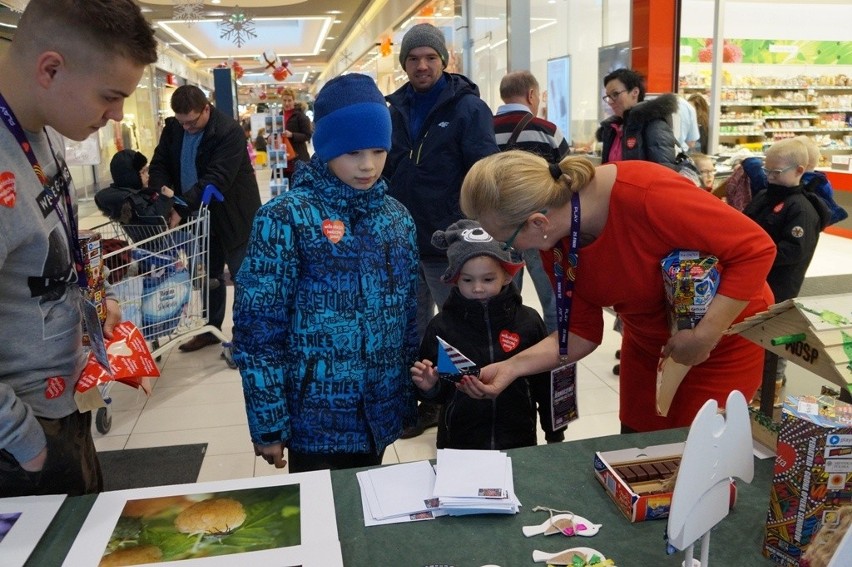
{"x":223,"y":161}
{"x":647,"y":132}
{"x":484,"y":333}
{"x":426,"y":174}
{"x":300,"y":125}
{"x":793,"y":218}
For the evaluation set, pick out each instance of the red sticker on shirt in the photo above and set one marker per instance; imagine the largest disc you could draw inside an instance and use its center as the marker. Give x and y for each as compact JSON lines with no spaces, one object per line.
{"x":631,"y":143}
{"x":333,"y":230}
{"x":8,"y":195}
{"x":509,"y":341}
{"x":55,"y":387}
{"x":777,"y":208}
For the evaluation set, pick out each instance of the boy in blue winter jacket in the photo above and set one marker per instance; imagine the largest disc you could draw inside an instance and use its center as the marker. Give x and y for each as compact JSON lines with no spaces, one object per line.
{"x":485,"y":319}
{"x":324,"y":313}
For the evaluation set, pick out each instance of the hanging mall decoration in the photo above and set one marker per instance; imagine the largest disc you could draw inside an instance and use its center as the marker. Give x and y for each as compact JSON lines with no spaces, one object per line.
{"x":237,"y":27}
{"x":189,"y":11}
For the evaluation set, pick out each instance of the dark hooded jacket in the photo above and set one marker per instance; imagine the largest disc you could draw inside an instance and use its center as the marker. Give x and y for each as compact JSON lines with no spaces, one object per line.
{"x":425,"y":174}
{"x":222,"y":160}
{"x":126,"y":200}
{"x":647,"y":132}
{"x":793,"y":217}
{"x":488,"y":332}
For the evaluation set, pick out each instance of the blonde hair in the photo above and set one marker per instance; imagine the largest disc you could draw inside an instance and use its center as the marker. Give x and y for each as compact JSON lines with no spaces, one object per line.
{"x":813,"y":151}
{"x":512,"y":185}
{"x":288,"y":92}
{"x":791,"y":151}
{"x":824,"y":544}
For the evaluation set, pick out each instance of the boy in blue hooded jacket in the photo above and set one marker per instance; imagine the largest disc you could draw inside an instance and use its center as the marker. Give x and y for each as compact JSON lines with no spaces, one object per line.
{"x":325,"y":303}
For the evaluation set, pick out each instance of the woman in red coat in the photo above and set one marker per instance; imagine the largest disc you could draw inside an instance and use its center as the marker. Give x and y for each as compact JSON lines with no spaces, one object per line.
{"x":629,"y":215}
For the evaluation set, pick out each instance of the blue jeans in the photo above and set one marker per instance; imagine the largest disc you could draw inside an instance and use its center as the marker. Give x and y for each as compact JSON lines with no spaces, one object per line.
{"x":542,"y":285}
{"x":431,"y":291}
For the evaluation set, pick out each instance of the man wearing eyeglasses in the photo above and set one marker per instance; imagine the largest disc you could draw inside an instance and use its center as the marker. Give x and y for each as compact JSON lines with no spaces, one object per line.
{"x":638,"y":128}
{"x":203,"y":146}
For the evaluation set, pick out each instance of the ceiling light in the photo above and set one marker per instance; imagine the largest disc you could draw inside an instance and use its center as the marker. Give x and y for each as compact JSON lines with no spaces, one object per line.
{"x":336,"y":21}
{"x":329,"y":38}
{"x":334,"y":12}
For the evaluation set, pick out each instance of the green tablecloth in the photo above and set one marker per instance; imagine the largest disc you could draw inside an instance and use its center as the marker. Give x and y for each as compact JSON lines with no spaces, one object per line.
{"x":558,"y":476}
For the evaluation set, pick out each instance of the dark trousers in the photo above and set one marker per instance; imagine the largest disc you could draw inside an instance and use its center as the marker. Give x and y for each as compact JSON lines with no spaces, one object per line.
{"x":219,"y":257}
{"x":71,"y":467}
{"x":302,"y":462}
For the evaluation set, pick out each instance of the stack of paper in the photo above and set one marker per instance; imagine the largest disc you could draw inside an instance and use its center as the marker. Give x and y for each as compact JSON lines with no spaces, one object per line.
{"x":475,"y":482}
{"x":398,"y":493}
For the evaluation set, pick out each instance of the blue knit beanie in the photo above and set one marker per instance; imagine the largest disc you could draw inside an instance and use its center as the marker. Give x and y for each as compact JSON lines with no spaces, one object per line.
{"x":350,"y":114}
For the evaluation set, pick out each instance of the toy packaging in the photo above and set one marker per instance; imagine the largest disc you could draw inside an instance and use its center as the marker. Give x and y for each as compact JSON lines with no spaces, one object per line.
{"x":95,"y":291}
{"x":691,"y":281}
{"x":812,"y":476}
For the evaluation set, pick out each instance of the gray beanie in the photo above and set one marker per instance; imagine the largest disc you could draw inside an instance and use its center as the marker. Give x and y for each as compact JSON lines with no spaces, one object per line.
{"x":464,"y":240}
{"x":423,"y":35}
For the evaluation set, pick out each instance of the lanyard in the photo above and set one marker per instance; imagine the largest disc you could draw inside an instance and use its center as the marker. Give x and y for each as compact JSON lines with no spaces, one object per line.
{"x":52,"y":190}
{"x":565,"y":278}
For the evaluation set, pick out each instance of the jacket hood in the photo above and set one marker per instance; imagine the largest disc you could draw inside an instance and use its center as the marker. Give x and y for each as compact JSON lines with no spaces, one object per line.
{"x":500,"y":308}
{"x":659,"y":108}
{"x":124,"y":168}
{"x":457,"y":86}
{"x":315,"y":178}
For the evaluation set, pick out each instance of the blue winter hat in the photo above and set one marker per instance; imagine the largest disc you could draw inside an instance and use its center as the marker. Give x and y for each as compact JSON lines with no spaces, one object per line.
{"x":350,"y":114}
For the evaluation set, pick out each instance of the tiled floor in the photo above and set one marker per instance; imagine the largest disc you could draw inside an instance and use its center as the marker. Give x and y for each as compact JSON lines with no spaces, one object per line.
{"x":198,"y":399}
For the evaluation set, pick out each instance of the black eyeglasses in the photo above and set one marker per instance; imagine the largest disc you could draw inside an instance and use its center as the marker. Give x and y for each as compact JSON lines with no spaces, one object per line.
{"x":613,"y":95}
{"x":194,"y":122}
{"x":507,"y":244}
{"x":776,"y":172}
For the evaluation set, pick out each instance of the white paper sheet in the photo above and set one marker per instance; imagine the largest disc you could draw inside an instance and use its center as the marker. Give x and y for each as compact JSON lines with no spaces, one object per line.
{"x":467,"y":473}
{"x":399,"y":490}
{"x":36,"y":513}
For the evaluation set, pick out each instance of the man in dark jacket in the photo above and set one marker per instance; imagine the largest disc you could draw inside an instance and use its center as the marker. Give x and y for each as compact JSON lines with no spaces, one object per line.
{"x":202,"y":146}
{"x":440,"y":129}
{"x":638,"y":128}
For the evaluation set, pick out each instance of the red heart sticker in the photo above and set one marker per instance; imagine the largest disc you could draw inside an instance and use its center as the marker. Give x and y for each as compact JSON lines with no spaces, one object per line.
{"x":8,"y":195}
{"x":55,"y":387}
{"x":631,"y":143}
{"x":509,"y":341}
{"x":333,"y":230}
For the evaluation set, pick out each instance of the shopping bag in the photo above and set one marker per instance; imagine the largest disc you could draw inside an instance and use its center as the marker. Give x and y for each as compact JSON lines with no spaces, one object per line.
{"x":288,"y":147}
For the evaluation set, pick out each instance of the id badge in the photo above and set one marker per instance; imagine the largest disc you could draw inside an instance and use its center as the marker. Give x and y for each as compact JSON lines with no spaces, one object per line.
{"x":96,"y":334}
{"x":563,"y":395}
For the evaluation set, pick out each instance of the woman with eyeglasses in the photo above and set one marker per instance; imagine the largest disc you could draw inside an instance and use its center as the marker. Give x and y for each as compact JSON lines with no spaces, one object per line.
{"x":638,"y":128}
{"x":602,"y":232}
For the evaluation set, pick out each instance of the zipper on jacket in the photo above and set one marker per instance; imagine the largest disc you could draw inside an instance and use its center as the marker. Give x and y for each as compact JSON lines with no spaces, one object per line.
{"x":420,"y":148}
{"x":309,"y":376}
{"x":389,"y":268}
{"x":491,"y":360}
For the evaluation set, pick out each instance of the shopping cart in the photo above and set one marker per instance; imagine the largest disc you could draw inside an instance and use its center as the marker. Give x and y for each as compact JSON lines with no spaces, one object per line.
{"x":159,"y":277}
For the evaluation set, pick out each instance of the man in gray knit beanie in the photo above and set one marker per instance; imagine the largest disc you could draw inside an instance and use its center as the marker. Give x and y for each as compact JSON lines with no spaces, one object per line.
{"x":423,"y":35}
{"x":440,"y":128}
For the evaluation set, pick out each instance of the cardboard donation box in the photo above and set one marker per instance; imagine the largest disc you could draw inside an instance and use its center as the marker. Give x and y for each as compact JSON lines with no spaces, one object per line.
{"x":641,"y":480}
{"x":812,"y":477}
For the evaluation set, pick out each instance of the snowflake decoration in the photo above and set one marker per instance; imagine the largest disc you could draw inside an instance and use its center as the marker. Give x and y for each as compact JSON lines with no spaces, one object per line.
{"x":238,"y":27}
{"x":189,"y":11}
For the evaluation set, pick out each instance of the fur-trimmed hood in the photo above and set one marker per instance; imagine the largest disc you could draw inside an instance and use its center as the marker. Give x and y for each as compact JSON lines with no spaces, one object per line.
{"x":659,"y":108}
